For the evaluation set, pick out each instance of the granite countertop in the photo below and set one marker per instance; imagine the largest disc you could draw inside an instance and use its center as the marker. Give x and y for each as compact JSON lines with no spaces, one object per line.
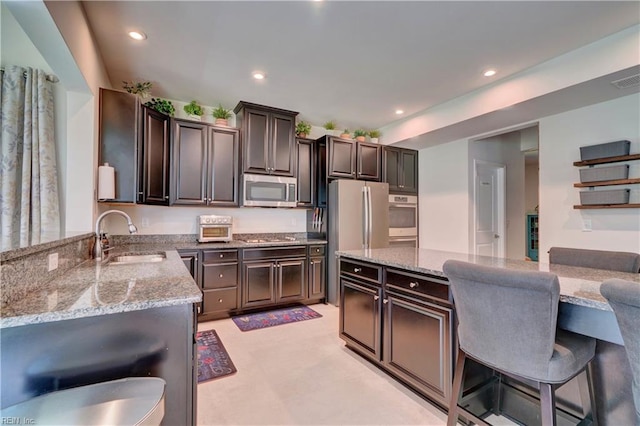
{"x":578,"y":286}
{"x":99,"y":288}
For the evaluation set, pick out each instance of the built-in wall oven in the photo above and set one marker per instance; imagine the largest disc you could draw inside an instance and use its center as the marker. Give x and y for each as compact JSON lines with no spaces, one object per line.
{"x":403,"y":220}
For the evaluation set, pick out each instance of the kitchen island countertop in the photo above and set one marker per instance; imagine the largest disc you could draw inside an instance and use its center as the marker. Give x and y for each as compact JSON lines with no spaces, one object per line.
{"x":578,"y":286}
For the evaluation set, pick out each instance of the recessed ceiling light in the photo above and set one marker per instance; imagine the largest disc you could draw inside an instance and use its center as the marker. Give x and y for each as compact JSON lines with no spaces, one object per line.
{"x":489,"y":73}
{"x":137,"y":35}
{"x":258,"y":75}
{"x":399,"y":111}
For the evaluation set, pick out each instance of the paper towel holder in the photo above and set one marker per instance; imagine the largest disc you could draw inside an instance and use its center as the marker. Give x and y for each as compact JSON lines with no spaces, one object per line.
{"x":106,"y":182}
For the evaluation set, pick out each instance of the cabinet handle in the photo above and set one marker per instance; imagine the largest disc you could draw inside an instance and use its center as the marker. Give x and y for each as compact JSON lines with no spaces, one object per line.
{"x":376,"y":297}
{"x":385,"y":301}
{"x":219,"y":300}
{"x":312,"y":262}
{"x":220,"y":275}
{"x":317,"y":250}
{"x":413,"y":284}
{"x":166,"y":197}
{"x":221,"y":256}
{"x":356,"y":270}
{"x":140,"y":193}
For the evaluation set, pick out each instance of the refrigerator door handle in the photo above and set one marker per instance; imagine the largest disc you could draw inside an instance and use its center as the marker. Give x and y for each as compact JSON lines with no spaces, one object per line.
{"x":369,"y":218}
{"x":365,"y":219}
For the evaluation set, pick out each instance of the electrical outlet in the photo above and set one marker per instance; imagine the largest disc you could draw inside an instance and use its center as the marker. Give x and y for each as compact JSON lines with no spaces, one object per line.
{"x":53,"y":261}
{"x":586,"y":225}
{"x":145,"y":222}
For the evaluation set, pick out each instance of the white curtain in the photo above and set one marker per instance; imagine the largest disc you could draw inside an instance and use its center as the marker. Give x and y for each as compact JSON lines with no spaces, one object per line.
{"x":29,"y":205}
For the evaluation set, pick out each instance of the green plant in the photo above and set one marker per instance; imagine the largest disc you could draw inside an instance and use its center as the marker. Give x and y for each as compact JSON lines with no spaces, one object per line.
{"x":221,"y":112}
{"x":161,"y":105}
{"x":374,"y":133}
{"x":329,"y":125}
{"x":192,"y":108}
{"x":346,"y":132}
{"x":359,"y":132}
{"x":303,"y":127}
{"x":141,"y":88}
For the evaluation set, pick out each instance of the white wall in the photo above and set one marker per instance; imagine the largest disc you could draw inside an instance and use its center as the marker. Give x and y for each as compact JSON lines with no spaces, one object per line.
{"x":182,"y":220}
{"x":531,"y":177}
{"x":560,"y":138}
{"x":444,"y":197}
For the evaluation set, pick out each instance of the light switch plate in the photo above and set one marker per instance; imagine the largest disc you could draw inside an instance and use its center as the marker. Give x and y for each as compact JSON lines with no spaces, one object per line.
{"x":53,"y":261}
{"x":586,"y":225}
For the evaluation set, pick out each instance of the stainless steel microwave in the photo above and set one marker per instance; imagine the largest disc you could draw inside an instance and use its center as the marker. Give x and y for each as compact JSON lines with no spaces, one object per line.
{"x":269,"y":191}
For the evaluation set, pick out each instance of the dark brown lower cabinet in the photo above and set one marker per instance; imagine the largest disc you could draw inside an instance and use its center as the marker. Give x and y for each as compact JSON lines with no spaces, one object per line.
{"x":219,"y":280}
{"x":274,"y":281}
{"x":317,"y":277}
{"x":404,"y":325}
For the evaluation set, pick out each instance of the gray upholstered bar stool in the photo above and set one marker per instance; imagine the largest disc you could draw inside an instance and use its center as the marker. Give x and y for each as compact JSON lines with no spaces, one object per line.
{"x":600,"y":259}
{"x":624,"y":298}
{"x":507,"y":321}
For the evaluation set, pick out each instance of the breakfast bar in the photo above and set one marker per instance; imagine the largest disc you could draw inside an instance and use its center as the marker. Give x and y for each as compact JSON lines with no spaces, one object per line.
{"x":582,"y":310}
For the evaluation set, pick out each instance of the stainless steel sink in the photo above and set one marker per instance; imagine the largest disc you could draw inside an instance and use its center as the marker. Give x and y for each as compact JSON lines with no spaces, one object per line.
{"x":125,"y":259}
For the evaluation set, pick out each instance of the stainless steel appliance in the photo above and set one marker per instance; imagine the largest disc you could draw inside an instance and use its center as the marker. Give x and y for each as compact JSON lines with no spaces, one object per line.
{"x":403,"y":215}
{"x":358,"y":217}
{"x":269,"y":191}
{"x":214,"y":228}
{"x":403,"y":242}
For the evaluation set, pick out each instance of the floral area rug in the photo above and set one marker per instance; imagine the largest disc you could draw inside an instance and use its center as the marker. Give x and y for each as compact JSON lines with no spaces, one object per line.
{"x":275,"y":317}
{"x":213,"y":359}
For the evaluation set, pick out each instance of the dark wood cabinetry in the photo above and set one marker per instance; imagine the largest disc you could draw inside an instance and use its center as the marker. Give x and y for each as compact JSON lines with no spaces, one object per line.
{"x":268,"y":139}
{"x":118,"y":140}
{"x":368,"y":167}
{"x":404,"y":325}
{"x":219,"y":278}
{"x":317,"y":272}
{"x":306,"y":172}
{"x":205,"y":164}
{"x":153,"y":165}
{"x":349,"y":159}
{"x":273,"y":275}
{"x":400,"y":170}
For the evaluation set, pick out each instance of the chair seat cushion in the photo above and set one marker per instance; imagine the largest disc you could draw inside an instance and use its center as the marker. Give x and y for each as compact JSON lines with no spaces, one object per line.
{"x":571,"y":353}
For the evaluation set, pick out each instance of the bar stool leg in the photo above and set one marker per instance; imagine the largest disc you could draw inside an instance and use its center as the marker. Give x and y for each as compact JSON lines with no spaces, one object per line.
{"x":587,"y":395}
{"x":547,"y":404}
{"x":452,"y":418}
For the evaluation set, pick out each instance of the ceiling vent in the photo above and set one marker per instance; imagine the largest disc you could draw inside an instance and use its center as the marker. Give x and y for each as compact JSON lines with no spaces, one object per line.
{"x":627,"y":82}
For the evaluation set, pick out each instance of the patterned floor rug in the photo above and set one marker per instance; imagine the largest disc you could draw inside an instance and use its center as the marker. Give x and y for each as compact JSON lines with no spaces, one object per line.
{"x":213,"y":359}
{"x":275,"y":317}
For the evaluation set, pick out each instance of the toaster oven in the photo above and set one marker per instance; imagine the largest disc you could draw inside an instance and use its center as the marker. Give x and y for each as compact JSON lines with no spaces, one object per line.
{"x":213,"y":228}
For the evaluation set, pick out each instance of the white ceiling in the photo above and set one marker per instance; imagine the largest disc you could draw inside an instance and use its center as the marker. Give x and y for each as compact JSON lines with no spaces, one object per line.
{"x":353,"y":62}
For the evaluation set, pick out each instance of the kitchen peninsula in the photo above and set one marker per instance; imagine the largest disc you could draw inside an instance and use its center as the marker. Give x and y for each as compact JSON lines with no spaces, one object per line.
{"x":395,"y":301}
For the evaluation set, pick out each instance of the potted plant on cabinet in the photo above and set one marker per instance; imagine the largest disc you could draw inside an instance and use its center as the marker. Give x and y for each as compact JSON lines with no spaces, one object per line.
{"x":330,"y":127}
{"x":161,"y":105}
{"x":346,"y":134}
{"x":194,"y":111}
{"x":359,"y":134}
{"x":374,"y":135}
{"x":222,"y":115}
{"x":303,"y":129}
{"x":141,"y":88}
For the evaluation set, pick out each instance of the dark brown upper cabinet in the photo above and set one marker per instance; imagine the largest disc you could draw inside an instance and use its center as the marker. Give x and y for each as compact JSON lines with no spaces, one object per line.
{"x":118,"y":140}
{"x":400,"y":170}
{"x":205,"y":164}
{"x":368,"y":161}
{"x":349,"y":159}
{"x":153,"y":157}
{"x":268,"y":139}
{"x":306,"y":172}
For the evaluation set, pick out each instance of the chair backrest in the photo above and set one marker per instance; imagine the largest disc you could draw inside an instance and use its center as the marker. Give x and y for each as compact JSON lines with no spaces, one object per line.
{"x":621,"y":261}
{"x":506,"y":318}
{"x":624,"y":298}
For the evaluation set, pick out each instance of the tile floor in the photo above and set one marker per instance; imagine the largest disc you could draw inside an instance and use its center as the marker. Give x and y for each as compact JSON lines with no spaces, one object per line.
{"x":302,"y":374}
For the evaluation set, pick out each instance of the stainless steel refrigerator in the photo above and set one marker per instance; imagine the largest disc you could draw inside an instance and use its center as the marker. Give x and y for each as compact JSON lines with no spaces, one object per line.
{"x":358,"y":218}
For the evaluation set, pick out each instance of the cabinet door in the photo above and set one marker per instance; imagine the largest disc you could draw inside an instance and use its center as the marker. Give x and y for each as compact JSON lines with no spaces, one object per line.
{"x":342,"y":158}
{"x":258,"y":287}
{"x":317,"y":277}
{"x":155,"y":158}
{"x":360,"y":317}
{"x":224,"y":145}
{"x":409,"y":168}
{"x":391,"y":168}
{"x":256,"y":141}
{"x":190,"y":259}
{"x":189,"y":169}
{"x":368,"y":161}
{"x":118,"y":135}
{"x":218,"y":301}
{"x":219,"y":275}
{"x":306,"y":172}
{"x":291,"y":279}
{"x":282,"y":144}
{"x":417,"y":344}
{"x":322,"y":174}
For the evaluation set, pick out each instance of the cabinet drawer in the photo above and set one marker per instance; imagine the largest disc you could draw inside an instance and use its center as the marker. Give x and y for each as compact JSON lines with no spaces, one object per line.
{"x":220,"y":275}
{"x":210,"y":256}
{"x":317,"y":250}
{"x":274,"y":252}
{"x":362,"y":271}
{"x":429,"y":286}
{"x":220,"y":300}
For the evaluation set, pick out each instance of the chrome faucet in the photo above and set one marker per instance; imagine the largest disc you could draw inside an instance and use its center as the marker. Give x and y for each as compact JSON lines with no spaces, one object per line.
{"x":99,"y":249}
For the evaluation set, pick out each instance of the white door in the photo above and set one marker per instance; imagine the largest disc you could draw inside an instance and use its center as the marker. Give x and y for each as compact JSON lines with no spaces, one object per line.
{"x":489,"y":209}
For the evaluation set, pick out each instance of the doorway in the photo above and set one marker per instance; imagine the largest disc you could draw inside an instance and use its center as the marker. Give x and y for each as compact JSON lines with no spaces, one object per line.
{"x":489,"y":211}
